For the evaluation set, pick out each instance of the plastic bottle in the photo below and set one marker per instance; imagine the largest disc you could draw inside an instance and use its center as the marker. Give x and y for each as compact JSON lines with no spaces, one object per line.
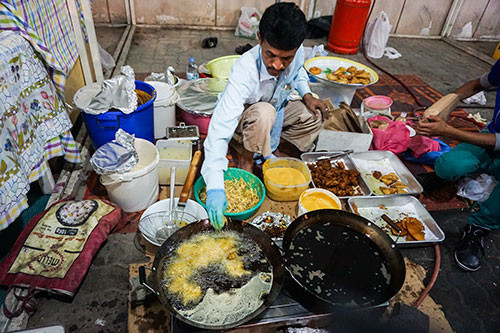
{"x":192,"y":70}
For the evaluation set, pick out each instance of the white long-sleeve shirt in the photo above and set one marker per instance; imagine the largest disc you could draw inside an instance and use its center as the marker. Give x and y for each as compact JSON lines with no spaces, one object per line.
{"x":249,"y":83}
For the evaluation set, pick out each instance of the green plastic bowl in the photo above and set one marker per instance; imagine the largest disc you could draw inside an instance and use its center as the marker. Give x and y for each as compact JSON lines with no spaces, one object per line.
{"x":221,"y":67}
{"x":233,"y":173}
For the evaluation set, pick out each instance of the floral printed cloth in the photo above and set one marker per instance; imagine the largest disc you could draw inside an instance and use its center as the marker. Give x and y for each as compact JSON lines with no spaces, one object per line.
{"x":34,"y":125}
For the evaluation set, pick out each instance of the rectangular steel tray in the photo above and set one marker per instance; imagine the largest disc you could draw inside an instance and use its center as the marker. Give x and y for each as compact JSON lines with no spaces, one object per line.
{"x":349,"y":165}
{"x":370,"y":208}
{"x":361,"y":160}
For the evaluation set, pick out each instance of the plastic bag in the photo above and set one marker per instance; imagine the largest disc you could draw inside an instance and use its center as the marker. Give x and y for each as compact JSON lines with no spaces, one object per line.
{"x":478,"y":189}
{"x":427,"y":158}
{"x":478,"y":98}
{"x":248,"y":24}
{"x":391,"y":53}
{"x":376,"y":35}
{"x":107,"y":61}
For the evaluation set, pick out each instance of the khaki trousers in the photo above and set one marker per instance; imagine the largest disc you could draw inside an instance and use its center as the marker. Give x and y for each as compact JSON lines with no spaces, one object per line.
{"x":300,"y":127}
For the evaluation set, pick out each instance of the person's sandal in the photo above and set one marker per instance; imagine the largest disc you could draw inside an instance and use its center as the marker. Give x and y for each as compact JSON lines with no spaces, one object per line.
{"x":243,"y":48}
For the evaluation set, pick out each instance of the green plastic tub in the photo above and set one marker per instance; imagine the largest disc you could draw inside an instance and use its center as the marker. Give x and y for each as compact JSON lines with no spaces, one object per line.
{"x":232,"y":173}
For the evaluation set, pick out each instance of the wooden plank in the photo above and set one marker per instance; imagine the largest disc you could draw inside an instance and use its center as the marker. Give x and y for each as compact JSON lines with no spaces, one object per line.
{"x":124,"y":53}
{"x":452,"y":17}
{"x":469,"y":50}
{"x":423,"y":17}
{"x":132,"y":12}
{"x":127,"y":11}
{"x":118,"y":50}
{"x":92,"y":39}
{"x":80,"y":43}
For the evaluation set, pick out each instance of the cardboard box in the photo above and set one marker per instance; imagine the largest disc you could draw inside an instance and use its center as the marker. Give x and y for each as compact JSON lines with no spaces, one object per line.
{"x":329,"y":140}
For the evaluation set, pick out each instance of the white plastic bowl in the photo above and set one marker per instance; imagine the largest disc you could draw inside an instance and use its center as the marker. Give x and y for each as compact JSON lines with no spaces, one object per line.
{"x":303,"y":210}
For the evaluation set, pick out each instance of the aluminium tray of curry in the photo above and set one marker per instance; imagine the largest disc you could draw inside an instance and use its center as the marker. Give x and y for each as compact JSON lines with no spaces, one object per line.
{"x":363,"y":189}
{"x":396,"y":208}
{"x":385,"y":162}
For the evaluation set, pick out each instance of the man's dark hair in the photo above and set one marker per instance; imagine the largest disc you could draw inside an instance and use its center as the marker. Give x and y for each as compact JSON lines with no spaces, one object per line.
{"x":283,"y":26}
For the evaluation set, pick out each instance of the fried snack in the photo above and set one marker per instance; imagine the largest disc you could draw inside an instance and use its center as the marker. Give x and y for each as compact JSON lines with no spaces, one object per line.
{"x":415,"y":228}
{"x":335,"y":178}
{"x":411,"y":228}
{"x":240,"y":196}
{"x":315,"y":70}
{"x":399,"y":185}
{"x":389,"y":179}
{"x":197,"y":253}
{"x":351,"y":75}
{"x":388,"y":190}
{"x":377,"y":174}
{"x":142,"y":97}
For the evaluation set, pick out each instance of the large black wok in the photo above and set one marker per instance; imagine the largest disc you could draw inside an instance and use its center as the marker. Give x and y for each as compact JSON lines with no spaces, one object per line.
{"x":270,"y":250}
{"x":338,"y":260}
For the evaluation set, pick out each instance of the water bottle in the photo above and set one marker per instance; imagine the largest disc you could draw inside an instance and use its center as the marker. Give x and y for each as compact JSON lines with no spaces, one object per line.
{"x":192,"y":70}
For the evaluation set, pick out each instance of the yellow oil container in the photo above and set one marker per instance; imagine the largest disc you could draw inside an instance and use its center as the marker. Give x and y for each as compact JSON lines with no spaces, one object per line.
{"x":496,"y":54}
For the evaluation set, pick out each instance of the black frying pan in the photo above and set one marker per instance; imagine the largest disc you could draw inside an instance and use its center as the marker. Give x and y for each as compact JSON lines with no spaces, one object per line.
{"x":270,"y":250}
{"x":342,"y":260}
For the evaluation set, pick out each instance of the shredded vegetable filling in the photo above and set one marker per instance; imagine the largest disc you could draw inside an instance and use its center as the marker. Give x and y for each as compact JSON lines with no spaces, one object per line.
{"x":240,"y":195}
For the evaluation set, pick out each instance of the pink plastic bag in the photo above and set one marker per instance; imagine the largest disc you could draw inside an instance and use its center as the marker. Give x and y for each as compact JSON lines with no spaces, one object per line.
{"x":420,"y":145}
{"x":395,"y":138}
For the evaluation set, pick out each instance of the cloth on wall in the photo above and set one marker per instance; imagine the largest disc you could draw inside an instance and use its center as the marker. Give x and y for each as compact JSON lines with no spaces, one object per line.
{"x":34,"y":125}
{"x":47,"y":26}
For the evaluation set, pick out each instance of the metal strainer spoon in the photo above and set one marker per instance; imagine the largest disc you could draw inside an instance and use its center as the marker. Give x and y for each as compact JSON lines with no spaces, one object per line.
{"x":163,"y":233}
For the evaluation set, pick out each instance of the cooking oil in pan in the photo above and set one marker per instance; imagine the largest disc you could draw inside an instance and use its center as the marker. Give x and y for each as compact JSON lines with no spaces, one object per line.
{"x":217,"y":278}
{"x":340,"y":265}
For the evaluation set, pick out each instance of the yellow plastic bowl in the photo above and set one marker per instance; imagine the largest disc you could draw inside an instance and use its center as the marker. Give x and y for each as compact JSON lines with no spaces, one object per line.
{"x":280,"y":192}
{"x":221,"y":67}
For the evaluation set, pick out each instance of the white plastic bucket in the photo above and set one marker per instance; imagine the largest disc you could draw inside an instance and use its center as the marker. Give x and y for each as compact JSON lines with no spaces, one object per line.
{"x":164,"y":107}
{"x":137,"y":189}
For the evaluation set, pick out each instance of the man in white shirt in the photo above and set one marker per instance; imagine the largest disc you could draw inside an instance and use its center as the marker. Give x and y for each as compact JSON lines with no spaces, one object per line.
{"x":256,"y":104}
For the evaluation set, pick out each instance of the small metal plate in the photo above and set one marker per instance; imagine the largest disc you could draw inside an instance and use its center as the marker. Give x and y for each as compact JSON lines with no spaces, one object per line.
{"x":385,"y":162}
{"x":397,"y":207}
{"x":364,"y":189}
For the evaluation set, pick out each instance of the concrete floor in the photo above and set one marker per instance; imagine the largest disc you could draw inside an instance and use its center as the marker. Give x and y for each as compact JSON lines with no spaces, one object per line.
{"x":103,"y":294}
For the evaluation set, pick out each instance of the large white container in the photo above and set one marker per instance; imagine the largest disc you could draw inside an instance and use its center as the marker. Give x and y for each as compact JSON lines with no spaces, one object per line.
{"x":174,"y":152}
{"x":164,"y":107}
{"x":137,"y":189}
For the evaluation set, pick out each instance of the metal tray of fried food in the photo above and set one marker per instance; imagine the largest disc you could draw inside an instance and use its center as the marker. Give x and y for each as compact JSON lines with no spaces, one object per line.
{"x":311,"y":158}
{"x":398,"y":207}
{"x":384,"y":162}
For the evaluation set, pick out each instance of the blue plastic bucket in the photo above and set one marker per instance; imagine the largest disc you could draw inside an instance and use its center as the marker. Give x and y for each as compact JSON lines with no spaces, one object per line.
{"x":102,"y":127}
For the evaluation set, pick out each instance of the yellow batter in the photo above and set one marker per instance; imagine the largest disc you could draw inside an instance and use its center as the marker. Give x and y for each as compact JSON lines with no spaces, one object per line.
{"x":286,"y":176}
{"x":318,"y":200}
{"x":199,"y":252}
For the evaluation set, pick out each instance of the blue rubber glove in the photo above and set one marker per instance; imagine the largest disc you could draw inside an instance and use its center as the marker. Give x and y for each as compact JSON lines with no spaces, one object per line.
{"x":216,"y":205}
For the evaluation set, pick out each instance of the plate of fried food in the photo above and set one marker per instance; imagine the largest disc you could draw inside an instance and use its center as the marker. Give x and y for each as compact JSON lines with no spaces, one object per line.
{"x":336,"y":174}
{"x":340,"y":71}
{"x":385,"y":174}
{"x":416,"y":224}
